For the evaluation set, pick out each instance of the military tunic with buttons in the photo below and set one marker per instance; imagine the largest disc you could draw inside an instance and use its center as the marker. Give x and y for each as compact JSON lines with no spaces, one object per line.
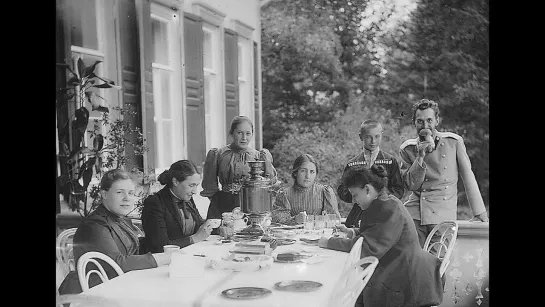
{"x":434,"y":183}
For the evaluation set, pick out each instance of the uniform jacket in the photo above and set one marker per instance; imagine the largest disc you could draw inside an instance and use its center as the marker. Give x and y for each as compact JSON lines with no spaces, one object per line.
{"x":395,"y":184}
{"x":163,"y":223}
{"x":434,"y":184}
{"x":406,"y":275}
{"x":104,"y":232}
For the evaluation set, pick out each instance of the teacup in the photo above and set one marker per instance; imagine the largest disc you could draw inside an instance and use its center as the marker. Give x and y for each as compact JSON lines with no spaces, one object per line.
{"x":214,"y":223}
{"x":170,"y":248}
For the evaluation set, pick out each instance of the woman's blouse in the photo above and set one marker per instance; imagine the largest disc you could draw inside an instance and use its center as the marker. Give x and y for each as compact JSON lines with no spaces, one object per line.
{"x":313,"y":199}
{"x":229,"y":165}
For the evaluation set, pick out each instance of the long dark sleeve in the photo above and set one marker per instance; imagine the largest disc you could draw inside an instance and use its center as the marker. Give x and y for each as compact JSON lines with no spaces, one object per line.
{"x":96,"y":236}
{"x":154,"y":224}
{"x":343,"y":192}
{"x":395,"y":183}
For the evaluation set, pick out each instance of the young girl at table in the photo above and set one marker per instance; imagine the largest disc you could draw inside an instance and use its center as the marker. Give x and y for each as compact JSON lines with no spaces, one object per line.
{"x":406,"y":274}
{"x":108,"y":230}
{"x":229,"y":165}
{"x":306,"y":195}
{"x":170,"y":215}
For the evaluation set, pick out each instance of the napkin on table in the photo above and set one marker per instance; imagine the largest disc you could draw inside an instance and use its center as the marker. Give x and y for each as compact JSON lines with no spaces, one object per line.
{"x":186,"y":266}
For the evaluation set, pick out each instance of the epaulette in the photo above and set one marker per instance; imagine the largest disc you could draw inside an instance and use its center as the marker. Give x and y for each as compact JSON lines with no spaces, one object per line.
{"x":451,"y":135}
{"x":407,"y":143}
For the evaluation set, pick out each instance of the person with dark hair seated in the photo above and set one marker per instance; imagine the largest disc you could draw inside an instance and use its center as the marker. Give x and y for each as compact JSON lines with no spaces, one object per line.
{"x":406,"y":275}
{"x":108,"y":230}
{"x":305,"y":195}
{"x":170,"y":217}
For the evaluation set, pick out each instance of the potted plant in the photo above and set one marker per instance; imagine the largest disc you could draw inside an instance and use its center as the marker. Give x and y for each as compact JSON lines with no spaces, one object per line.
{"x":80,"y":163}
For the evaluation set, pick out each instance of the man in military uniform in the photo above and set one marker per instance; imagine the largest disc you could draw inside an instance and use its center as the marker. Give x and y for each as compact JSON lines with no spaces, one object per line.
{"x":371,"y":136}
{"x":432,"y":176}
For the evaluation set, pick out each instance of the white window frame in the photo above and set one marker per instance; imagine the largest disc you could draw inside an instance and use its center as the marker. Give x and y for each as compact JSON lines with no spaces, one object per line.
{"x":215,"y":113}
{"x":177,"y":133}
{"x":246,"y":82}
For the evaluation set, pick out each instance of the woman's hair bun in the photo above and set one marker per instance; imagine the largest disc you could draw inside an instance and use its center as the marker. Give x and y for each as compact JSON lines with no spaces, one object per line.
{"x":379,"y":170}
{"x":163,"y":177}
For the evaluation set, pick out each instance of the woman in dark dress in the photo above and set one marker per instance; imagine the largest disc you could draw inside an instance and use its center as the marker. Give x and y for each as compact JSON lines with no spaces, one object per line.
{"x":229,"y":165}
{"x":406,"y":275}
{"x":170,"y":217}
{"x":107,"y":230}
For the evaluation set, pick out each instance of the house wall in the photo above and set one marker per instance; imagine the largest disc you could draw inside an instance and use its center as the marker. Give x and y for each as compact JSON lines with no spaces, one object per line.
{"x":125,"y":46}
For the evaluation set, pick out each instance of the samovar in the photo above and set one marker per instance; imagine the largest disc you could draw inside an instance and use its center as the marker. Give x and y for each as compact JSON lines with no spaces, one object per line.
{"x":256,"y":199}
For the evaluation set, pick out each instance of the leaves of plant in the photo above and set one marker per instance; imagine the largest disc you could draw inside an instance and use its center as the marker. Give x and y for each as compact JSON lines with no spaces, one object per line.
{"x":90,"y":69}
{"x":82,"y":119}
{"x":88,"y":173}
{"x":93,"y":75}
{"x":101,"y":109}
{"x":98,"y":142}
{"x":74,"y":80}
{"x":103,"y":85}
{"x":81,"y":67}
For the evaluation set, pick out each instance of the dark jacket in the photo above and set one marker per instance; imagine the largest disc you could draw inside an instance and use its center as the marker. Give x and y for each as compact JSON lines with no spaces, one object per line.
{"x":354,"y":217}
{"x":406,"y":275}
{"x":163,"y":223}
{"x":104,"y":232}
{"x":395,"y":183}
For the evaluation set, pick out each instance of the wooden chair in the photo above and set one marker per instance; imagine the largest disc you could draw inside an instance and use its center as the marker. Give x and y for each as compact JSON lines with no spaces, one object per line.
{"x":65,"y":255}
{"x":81,"y":300}
{"x":352,"y":282}
{"x":92,"y":257}
{"x":443,"y":248}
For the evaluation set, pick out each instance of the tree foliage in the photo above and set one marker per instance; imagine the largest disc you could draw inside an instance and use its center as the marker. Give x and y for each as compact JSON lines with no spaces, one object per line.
{"x":325,"y":60}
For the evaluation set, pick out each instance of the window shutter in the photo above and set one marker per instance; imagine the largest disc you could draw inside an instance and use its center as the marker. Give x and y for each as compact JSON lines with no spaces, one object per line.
{"x":257,"y":109}
{"x":145,"y":82}
{"x":130,"y":71}
{"x":193,"y":49}
{"x":231,"y":78}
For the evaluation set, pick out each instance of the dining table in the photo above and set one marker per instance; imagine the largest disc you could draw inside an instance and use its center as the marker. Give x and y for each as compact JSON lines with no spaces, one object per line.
{"x":155,"y":287}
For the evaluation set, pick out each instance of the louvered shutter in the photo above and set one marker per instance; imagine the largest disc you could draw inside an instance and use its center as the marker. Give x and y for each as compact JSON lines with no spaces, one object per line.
{"x":257,"y":109}
{"x":130,"y":66}
{"x":146,"y":80}
{"x":193,"y":48}
{"x":231,"y":78}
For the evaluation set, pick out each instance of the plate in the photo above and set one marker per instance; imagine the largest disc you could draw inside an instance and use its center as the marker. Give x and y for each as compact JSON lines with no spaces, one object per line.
{"x":297,"y":285}
{"x":285,"y":241}
{"x":287,"y":227}
{"x":246,"y":293}
{"x":296,"y":258}
{"x":309,"y":241}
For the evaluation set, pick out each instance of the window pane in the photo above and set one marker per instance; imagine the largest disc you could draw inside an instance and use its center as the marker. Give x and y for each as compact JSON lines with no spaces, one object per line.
{"x":241,"y":72}
{"x":207,"y":50}
{"x":167,"y":143}
{"x":160,"y":41}
{"x":165,"y":94}
{"x":84,"y":31}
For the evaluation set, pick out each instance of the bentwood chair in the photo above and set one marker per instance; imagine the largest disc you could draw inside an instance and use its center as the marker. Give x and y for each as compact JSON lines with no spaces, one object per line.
{"x":352,"y":282}
{"x":93,"y":258}
{"x":443,"y":248}
{"x":65,"y":255}
{"x":355,"y":254}
{"x":81,"y":300}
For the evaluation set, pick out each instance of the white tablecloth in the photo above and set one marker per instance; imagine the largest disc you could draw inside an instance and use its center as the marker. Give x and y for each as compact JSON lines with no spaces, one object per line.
{"x":154,"y":287}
